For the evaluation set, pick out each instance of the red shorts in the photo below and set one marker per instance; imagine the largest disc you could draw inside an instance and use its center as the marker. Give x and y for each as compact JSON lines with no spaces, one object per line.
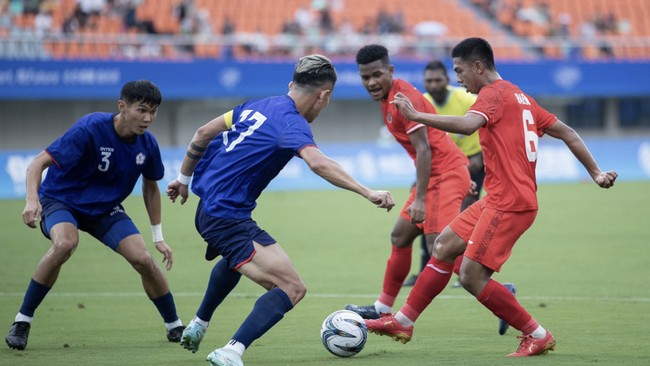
{"x":445,"y":195}
{"x":490,"y":234}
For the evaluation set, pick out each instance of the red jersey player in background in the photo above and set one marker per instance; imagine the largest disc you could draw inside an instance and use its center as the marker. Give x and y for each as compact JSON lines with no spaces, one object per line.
{"x":442,"y":178}
{"x":509,"y":124}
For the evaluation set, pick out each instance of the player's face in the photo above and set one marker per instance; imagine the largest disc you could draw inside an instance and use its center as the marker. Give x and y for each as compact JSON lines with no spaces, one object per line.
{"x":377,"y":78}
{"x":435,"y":83}
{"x":466,"y":75}
{"x":139,"y":116}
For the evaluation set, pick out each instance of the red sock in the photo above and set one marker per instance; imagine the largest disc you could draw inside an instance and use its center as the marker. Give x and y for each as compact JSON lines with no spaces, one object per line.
{"x":397,"y":268}
{"x":431,"y":281}
{"x":505,"y":306}
{"x":457,"y":263}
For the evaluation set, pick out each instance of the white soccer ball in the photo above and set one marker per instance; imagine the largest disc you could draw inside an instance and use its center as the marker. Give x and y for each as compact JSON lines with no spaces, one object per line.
{"x":344,"y":333}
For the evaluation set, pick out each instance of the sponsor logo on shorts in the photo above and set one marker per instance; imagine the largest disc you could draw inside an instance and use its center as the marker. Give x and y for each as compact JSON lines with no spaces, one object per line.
{"x":116,"y":209}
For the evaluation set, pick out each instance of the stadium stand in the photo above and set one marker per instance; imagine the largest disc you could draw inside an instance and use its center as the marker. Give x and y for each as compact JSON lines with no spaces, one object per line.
{"x":595,"y":28}
{"x":173,"y":29}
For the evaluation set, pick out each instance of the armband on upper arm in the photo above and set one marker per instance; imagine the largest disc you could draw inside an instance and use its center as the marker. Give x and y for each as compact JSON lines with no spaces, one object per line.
{"x":228,"y":118}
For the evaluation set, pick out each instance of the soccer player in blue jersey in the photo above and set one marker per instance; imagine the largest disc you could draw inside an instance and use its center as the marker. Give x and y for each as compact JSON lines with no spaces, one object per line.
{"x":233,"y":158}
{"x":93,"y":167}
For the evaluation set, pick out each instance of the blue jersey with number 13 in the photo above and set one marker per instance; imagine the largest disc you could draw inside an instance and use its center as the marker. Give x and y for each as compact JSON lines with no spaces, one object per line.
{"x":241,"y":162}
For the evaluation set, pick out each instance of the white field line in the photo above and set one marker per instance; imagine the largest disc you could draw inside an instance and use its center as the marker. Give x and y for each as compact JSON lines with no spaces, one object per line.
{"x":336,"y":296}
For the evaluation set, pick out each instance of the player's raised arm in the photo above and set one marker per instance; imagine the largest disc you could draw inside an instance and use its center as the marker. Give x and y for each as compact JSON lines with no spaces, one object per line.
{"x":195,"y":151}
{"x":570,"y":137}
{"x":465,"y":125}
{"x":332,"y":172}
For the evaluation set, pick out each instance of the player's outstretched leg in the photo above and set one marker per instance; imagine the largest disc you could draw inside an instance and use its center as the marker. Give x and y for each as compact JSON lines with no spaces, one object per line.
{"x":18,"y":335}
{"x":530,"y":346}
{"x":192,"y":336}
{"x":503,"y":325}
{"x":388,"y":325}
{"x":224,"y":357}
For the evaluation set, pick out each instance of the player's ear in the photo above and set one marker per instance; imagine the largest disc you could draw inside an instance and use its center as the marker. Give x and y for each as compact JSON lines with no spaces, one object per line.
{"x":479,"y":67}
{"x":290,"y":85}
{"x":324,"y":94}
{"x":121,"y":105}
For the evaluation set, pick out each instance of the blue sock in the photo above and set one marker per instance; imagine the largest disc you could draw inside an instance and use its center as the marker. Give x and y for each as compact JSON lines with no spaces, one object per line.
{"x":33,"y":296}
{"x":222,"y":281}
{"x":166,"y":307}
{"x":268,"y":310}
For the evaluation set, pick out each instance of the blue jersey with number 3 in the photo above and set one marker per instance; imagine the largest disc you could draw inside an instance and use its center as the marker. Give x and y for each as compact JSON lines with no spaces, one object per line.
{"x":94,"y":170}
{"x":241,"y":162}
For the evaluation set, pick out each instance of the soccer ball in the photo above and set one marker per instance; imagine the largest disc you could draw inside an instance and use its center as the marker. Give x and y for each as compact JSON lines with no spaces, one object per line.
{"x":344,"y":333}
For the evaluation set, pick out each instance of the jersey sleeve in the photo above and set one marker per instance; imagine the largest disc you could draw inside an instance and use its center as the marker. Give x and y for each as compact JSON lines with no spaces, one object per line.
{"x":154,"y":168}
{"x":488,"y":104}
{"x":70,"y":147}
{"x":296,"y":136}
{"x":544,"y":118}
{"x":420,"y":103}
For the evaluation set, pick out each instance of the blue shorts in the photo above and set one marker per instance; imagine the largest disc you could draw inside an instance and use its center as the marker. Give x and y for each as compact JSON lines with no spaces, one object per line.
{"x":230,"y":238}
{"x":109,"y":228}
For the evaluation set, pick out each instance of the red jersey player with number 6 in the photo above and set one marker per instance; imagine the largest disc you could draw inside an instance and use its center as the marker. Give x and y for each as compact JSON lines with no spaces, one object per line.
{"x":509,"y":124}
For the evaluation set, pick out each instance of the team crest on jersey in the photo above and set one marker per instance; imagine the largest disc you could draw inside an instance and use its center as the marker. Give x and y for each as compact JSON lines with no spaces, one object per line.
{"x":140,"y":158}
{"x":389,"y":118}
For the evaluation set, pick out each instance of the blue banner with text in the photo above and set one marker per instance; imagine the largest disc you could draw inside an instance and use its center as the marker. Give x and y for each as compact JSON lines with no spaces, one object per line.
{"x":35,"y":80}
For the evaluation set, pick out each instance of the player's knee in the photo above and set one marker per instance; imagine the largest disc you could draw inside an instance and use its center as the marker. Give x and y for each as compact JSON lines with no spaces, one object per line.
{"x":142,"y":262}
{"x":63,"y":248}
{"x":472,"y":281}
{"x":296,"y":291}
{"x":399,"y":240}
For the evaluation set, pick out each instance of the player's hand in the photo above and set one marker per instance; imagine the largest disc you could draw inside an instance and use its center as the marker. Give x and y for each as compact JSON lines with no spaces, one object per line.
{"x":382,"y":199}
{"x":417,"y":211}
{"x":32,"y":213}
{"x":606,"y":179}
{"x":404,"y":105}
{"x":175,"y":189}
{"x":166,"y":251}
{"x":472,"y":188}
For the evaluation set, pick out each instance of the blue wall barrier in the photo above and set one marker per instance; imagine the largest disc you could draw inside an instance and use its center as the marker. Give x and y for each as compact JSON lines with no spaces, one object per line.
{"x":387,"y":165}
{"x":34,"y":80}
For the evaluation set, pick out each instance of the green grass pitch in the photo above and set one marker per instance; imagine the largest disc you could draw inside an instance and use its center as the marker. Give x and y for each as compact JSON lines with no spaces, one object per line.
{"x":582,"y":270}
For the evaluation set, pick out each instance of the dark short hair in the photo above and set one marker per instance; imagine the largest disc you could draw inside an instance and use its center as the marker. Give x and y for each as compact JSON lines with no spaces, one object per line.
{"x":372,"y":53}
{"x":141,"y":91}
{"x":475,"y":49}
{"x":436,"y":65}
{"x":314,"y":71}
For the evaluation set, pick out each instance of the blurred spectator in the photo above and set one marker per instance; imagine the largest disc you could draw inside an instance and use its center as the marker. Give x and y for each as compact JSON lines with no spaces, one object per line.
{"x":228,"y":27}
{"x":537,"y":14}
{"x":181,"y":9}
{"x":304,"y":18}
{"x":228,"y":31}
{"x":588,"y":30}
{"x":325,"y":21}
{"x":131,"y":21}
{"x":5,"y":18}
{"x":390,"y":23}
{"x":43,"y":21}
{"x":31,"y":6}
{"x":92,"y":7}
{"x":74,"y":22}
